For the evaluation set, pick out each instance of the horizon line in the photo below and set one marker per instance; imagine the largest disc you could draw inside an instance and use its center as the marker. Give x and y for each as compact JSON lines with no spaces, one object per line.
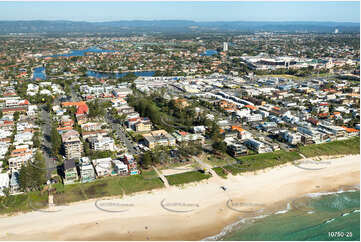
{"x":197,"y":21}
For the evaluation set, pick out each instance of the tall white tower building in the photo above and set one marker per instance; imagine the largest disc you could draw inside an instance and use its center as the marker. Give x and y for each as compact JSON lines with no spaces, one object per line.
{"x":225,"y":46}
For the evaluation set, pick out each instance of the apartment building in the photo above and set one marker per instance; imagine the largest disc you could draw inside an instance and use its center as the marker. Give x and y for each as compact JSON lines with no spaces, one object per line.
{"x":102,"y":143}
{"x":236,"y":149}
{"x":158,"y":137}
{"x":257,"y":146}
{"x":72,"y":145}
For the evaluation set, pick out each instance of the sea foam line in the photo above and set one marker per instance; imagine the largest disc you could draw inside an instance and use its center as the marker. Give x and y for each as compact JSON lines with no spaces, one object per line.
{"x":230,"y":227}
{"x":319,"y":194}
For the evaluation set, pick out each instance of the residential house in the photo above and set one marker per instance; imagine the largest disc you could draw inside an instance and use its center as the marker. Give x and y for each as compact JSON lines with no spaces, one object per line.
{"x":102,"y":143}
{"x":182,"y":136}
{"x":103,"y":166}
{"x":14,"y":182}
{"x":70,"y":172}
{"x":87,"y":173}
{"x":129,"y":160}
{"x":257,"y":146}
{"x":4,"y":183}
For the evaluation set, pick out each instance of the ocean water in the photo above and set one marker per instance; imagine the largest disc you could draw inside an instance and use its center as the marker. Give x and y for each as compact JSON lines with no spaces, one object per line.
{"x":309,"y":218}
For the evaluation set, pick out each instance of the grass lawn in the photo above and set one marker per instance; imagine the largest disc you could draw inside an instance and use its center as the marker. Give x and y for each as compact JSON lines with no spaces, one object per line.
{"x":224,"y":159}
{"x":23,"y":202}
{"x":261,"y":161}
{"x":149,"y":174}
{"x":108,"y":186}
{"x":339,"y":147}
{"x":187,"y":177}
{"x":220,"y":172}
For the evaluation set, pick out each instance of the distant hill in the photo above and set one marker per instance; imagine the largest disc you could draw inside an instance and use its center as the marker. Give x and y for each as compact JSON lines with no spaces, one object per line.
{"x":172,"y":26}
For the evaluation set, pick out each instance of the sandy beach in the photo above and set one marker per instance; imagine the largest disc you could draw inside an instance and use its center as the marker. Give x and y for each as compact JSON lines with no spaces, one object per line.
{"x":191,"y":212}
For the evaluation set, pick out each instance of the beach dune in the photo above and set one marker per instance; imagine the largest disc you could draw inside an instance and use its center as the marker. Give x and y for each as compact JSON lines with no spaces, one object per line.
{"x":191,"y":212}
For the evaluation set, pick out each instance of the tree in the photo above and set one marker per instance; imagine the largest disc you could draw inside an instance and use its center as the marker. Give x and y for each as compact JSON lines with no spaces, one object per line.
{"x":55,"y":140}
{"x":6,"y":191}
{"x":220,"y":146}
{"x":39,"y":169}
{"x":146,"y":160}
{"x":36,"y":140}
{"x":24,"y":178}
{"x":33,"y":176}
{"x":16,"y":116}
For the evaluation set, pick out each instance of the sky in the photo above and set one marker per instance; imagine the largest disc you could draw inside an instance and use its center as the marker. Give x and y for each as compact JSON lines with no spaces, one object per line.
{"x":197,"y":11}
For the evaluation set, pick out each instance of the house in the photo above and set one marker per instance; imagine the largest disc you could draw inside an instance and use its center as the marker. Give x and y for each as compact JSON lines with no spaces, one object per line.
{"x":91,"y":126}
{"x":143,"y":124}
{"x":82,"y":107}
{"x":72,"y":145}
{"x":4,"y":183}
{"x":14,"y":182}
{"x":70,"y":172}
{"x":89,"y":134}
{"x":122,"y":92}
{"x":181,"y":103}
{"x":257,"y":146}
{"x":120,"y":168}
{"x":14,"y":110}
{"x":351,"y":131}
{"x":81,"y":118}
{"x":103,"y":166}
{"x":4,"y":147}
{"x":254,"y":117}
{"x":235,"y":149}
{"x":129,"y":160}
{"x":182,"y":136}
{"x":87,"y":173}
{"x":15,"y":163}
{"x":199,"y":129}
{"x":118,"y":102}
{"x":291,"y":138}
{"x":102,"y":143}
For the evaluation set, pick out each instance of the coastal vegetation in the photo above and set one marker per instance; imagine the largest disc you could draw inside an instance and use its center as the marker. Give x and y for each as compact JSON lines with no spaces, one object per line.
{"x":23,"y":202}
{"x":187,"y":177}
{"x":108,"y":186}
{"x":148,"y":180}
{"x":339,"y":147}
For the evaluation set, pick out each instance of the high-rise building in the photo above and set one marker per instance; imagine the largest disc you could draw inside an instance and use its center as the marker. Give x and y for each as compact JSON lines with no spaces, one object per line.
{"x":225,"y":46}
{"x":72,"y":144}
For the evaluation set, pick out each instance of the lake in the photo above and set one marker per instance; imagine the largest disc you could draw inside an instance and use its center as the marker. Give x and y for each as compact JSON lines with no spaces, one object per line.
{"x":82,"y":52}
{"x":209,"y":53}
{"x":39,"y":73}
{"x":98,"y":74}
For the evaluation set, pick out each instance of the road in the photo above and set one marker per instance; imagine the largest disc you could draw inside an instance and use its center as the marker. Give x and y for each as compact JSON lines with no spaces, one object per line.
{"x":74,"y":95}
{"x":119,"y":130}
{"x":46,"y":144}
{"x":121,"y":134}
